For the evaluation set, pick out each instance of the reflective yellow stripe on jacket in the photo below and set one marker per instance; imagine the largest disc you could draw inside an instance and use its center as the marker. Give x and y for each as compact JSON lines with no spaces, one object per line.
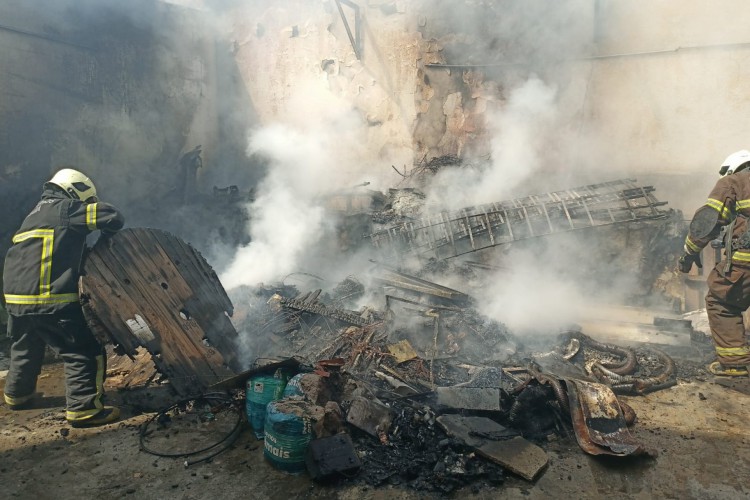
{"x":91,"y":216}
{"x":28,"y":300}
{"x":719,"y":206}
{"x":692,"y":246}
{"x":45,"y":273}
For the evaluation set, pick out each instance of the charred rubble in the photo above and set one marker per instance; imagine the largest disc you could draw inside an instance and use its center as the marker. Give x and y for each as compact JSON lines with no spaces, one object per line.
{"x":415,"y":388}
{"x":431,"y":368}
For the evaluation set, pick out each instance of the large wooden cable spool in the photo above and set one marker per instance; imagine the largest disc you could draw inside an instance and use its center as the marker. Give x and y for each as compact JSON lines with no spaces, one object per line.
{"x":147,"y":288}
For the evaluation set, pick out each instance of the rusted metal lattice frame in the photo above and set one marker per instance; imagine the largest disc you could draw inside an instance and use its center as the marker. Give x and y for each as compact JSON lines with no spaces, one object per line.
{"x":475,"y":228}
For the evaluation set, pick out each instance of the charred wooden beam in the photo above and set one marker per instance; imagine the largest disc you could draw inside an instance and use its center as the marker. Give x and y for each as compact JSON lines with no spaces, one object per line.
{"x":420,"y":288}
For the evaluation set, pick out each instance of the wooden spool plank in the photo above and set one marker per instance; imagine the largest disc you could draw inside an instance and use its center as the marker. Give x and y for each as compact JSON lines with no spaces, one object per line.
{"x":196,"y":270}
{"x":199,"y":265}
{"x":152,"y":316}
{"x":166,"y":305}
{"x":163,"y":311}
{"x":145,"y":287}
{"x":215,"y":319}
{"x":178,"y":291}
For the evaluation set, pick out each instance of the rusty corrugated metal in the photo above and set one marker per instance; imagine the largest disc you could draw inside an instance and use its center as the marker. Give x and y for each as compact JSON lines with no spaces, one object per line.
{"x":598,"y":421}
{"x":145,"y":287}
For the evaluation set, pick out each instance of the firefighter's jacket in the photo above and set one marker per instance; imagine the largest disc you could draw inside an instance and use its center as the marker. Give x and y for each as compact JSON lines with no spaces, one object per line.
{"x":43,"y":266}
{"x":728,"y":202}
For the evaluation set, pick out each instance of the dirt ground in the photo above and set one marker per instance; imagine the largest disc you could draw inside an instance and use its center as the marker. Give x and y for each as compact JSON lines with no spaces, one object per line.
{"x":699,"y":428}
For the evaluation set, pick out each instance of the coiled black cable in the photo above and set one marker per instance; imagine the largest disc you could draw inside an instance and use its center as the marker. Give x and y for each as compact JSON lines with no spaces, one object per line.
{"x":214,"y":449}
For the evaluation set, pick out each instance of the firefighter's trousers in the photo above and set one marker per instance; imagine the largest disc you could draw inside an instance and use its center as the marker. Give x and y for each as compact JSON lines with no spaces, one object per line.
{"x":70,"y":337}
{"x":728,"y":297}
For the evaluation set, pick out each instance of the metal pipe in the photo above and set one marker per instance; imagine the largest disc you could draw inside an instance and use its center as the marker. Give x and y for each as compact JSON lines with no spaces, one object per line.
{"x":348,"y":30}
{"x":605,"y":56}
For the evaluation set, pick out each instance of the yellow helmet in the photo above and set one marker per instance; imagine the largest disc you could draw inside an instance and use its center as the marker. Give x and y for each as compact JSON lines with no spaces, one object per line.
{"x":75,"y":184}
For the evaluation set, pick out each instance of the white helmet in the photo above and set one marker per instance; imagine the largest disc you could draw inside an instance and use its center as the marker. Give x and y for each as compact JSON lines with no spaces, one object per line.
{"x":735,"y":162}
{"x":75,"y":184}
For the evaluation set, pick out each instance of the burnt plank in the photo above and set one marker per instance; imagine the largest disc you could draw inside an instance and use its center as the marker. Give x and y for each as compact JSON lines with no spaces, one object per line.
{"x":124,"y":373}
{"x":512,"y":452}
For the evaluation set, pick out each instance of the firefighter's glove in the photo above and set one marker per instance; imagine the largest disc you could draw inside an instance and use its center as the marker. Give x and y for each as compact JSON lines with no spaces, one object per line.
{"x":686,"y":262}
{"x":106,"y":238}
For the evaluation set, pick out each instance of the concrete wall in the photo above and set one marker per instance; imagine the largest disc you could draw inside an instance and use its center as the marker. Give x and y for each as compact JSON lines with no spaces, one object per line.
{"x":675,"y":102}
{"x":651,"y":90}
{"x":295,"y":56}
{"x":654,"y":90}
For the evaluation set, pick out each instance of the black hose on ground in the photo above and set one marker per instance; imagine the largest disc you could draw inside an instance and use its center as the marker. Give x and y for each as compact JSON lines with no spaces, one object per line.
{"x":225,"y":400}
{"x":626,"y":366}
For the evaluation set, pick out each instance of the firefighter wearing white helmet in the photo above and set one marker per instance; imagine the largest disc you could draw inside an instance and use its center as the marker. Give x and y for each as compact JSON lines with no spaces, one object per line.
{"x":40,"y":286}
{"x":75,"y":184}
{"x":727,"y":209}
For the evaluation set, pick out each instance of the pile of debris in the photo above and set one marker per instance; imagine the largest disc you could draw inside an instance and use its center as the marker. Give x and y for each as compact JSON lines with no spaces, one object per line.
{"x":436,"y":396}
{"x":418,"y":389}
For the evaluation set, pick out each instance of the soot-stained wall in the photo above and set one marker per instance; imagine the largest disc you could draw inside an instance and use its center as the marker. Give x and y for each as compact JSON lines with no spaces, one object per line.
{"x":121,"y":90}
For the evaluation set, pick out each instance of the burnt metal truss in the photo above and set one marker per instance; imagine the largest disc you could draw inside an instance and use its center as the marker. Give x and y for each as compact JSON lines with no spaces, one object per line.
{"x":308,"y":303}
{"x":450,"y":234}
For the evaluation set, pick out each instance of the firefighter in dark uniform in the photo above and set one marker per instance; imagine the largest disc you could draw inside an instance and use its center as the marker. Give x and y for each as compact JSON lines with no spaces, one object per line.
{"x":728,"y":296}
{"x":40,"y":285}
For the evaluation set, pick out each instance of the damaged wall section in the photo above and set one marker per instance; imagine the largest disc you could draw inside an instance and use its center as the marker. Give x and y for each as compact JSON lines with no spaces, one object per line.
{"x":120,"y":90}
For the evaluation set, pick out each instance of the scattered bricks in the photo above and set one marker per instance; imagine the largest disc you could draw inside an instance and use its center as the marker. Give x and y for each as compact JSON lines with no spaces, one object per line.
{"x":333,"y":422}
{"x":330,"y":456}
{"x":469,"y":398}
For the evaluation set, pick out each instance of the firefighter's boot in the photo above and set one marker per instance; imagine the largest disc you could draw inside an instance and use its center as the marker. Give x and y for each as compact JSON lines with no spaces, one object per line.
{"x":107,"y":415}
{"x":22,"y":402}
{"x":720,"y":370}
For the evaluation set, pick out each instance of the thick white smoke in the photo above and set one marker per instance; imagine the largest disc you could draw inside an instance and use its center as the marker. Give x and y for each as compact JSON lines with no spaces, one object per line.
{"x":285,"y":217}
{"x":312,"y":152}
{"x":532,"y":296}
{"x":519,"y":131}
{"x":533,"y":129}
{"x":542,"y":284}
